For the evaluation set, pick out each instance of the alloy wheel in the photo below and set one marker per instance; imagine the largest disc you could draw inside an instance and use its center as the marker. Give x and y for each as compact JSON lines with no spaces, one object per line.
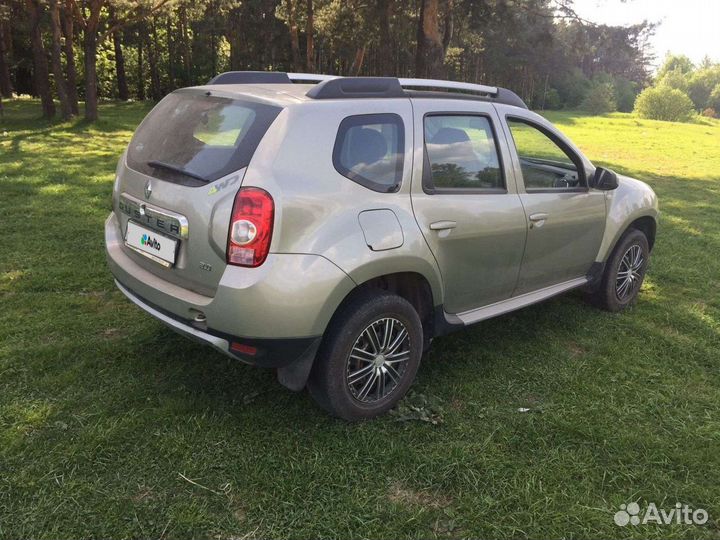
{"x":629,"y":273}
{"x":378,"y":360}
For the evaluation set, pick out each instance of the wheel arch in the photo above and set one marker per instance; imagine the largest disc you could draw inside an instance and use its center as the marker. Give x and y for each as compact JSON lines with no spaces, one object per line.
{"x":645,"y":221}
{"x":647,"y":225}
{"x":410,"y":285}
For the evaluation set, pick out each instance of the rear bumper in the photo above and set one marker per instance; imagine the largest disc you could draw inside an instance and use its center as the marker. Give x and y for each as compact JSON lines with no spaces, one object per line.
{"x":274,"y":353}
{"x":280,"y":307}
{"x":221,"y":344}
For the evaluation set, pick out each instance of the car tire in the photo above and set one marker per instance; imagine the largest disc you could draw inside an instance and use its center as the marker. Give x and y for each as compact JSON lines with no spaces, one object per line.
{"x":369,"y":356}
{"x":624,"y":272}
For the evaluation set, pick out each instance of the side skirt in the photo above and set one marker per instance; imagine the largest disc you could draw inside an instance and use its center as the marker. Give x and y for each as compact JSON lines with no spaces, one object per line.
{"x":511,"y":304}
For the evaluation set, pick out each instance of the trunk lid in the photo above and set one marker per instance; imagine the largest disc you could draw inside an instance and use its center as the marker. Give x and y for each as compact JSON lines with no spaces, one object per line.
{"x":177,"y":181}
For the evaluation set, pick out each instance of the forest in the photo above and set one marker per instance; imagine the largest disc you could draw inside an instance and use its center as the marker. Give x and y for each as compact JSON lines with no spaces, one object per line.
{"x":67,"y":52}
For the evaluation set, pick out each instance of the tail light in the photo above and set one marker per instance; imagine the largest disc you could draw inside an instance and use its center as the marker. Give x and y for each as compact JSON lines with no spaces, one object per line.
{"x":251,"y":227}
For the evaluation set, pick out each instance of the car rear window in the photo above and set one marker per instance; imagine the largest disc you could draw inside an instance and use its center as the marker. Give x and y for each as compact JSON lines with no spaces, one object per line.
{"x":195,"y":138}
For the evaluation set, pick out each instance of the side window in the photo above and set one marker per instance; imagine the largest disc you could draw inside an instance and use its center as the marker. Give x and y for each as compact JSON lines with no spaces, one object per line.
{"x":544,"y":163}
{"x":369,"y":150}
{"x":461,"y":153}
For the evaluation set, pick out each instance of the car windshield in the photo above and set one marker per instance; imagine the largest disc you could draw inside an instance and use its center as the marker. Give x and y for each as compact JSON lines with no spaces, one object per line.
{"x":195,"y":138}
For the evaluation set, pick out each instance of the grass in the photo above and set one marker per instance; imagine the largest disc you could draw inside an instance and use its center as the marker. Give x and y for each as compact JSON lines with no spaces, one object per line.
{"x":113,"y":426}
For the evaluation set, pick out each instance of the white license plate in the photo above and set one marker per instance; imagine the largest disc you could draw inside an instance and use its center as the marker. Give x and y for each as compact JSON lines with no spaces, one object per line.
{"x":152,"y":244}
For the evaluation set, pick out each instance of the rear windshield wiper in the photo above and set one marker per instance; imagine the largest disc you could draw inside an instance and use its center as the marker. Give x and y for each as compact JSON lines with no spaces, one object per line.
{"x":175,"y":168}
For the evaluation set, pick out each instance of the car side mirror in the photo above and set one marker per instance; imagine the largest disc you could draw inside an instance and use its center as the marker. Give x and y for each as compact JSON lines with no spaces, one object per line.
{"x":604,"y":179}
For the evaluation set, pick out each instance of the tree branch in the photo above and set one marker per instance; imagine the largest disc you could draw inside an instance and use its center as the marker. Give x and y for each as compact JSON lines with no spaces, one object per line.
{"x":136,"y":17}
{"x":78,"y":13}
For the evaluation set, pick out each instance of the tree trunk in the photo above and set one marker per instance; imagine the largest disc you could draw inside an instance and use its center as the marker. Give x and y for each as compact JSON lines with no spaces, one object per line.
{"x":270,"y":45}
{"x":140,"y":67}
{"x":56,"y":56}
{"x":70,"y":69}
{"x":386,"y":64}
{"x":154,"y":70}
{"x":213,"y":38}
{"x":185,"y":44}
{"x":123,"y":92}
{"x":449,"y":25}
{"x":358,"y":61}
{"x":430,"y":55}
{"x":294,"y":38}
{"x":91,"y":88}
{"x":170,"y":48}
{"x":233,"y":33}
{"x":309,"y":32}
{"x":41,"y":73}
{"x":5,"y":81}
{"x":90,"y":45}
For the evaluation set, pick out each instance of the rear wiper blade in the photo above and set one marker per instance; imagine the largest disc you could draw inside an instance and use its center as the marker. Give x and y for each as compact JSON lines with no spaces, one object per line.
{"x":175,"y":168}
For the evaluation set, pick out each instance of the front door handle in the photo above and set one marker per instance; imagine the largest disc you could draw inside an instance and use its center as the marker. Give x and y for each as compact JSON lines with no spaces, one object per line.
{"x":443,"y":225}
{"x":538,"y":219}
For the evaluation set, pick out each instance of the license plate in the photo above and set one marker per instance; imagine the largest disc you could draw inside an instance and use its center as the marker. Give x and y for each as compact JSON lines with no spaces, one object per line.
{"x":156,"y":246}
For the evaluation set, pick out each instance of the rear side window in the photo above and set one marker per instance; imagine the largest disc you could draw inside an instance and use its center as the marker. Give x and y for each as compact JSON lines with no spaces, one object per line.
{"x":369,"y":150}
{"x":195,"y":138}
{"x":461,"y":153}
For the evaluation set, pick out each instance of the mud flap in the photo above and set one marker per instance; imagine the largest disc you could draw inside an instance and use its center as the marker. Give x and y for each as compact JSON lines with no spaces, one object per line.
{"x":295,"y":375}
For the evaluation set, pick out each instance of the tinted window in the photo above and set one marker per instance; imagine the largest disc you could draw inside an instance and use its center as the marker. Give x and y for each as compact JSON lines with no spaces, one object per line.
{"x":462,"y":153}
{"x":369,"y":150}
{"x":207,"y":137}
{"x":544,"y":163}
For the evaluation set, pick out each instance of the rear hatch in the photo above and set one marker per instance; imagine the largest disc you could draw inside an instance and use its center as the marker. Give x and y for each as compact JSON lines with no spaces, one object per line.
{"x":175,"y":189}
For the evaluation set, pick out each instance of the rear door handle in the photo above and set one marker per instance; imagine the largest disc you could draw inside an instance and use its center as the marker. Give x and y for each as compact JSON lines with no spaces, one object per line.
{"x":443,"y":225}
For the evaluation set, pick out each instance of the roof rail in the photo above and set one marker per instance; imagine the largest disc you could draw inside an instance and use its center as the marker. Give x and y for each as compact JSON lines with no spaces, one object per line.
{"x":336,"y":87}
{"x":357,"y":87}
{"x":251,"y":77}
{"x":449,"y":85}
{"x":390,"y":87}
{"x":313,"y":77}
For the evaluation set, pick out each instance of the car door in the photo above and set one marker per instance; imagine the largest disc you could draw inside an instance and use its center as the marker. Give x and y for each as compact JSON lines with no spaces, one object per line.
{"x":566,"y":219}
{"x":465,"y":203}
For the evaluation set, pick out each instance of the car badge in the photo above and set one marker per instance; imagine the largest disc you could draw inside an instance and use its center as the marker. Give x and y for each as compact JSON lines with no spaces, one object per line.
{"x":148,"y":189}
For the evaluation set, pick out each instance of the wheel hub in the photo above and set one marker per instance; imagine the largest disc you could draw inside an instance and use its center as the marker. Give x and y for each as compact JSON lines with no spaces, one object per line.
{"x":378,"y":360}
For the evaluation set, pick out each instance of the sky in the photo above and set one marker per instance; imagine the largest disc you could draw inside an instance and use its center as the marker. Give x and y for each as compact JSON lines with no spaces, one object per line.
{"x":689,"y":27}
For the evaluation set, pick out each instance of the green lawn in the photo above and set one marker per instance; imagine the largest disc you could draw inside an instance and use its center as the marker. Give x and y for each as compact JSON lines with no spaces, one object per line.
{"x":111,"y":426}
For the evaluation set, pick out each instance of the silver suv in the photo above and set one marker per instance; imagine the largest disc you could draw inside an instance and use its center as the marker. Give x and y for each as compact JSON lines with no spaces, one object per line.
{"x":331,"y":230}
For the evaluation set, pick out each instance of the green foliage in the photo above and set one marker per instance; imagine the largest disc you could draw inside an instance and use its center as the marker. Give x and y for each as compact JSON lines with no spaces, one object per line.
{"x":714,"y":99}
{"x":102,"y":408}
{"x":701,"y":84}
{"x":573,"y":86}
{"x":553,"y":101}
{"x":675,"y":62}
{"x":675,"y":78}
{"x":107,"y":87}
{"x":679,"y":73}
{"x":664,"y":103}
{"x":519,"y":45}
{"x":600,"y":99}
{"x":625,"y":93}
